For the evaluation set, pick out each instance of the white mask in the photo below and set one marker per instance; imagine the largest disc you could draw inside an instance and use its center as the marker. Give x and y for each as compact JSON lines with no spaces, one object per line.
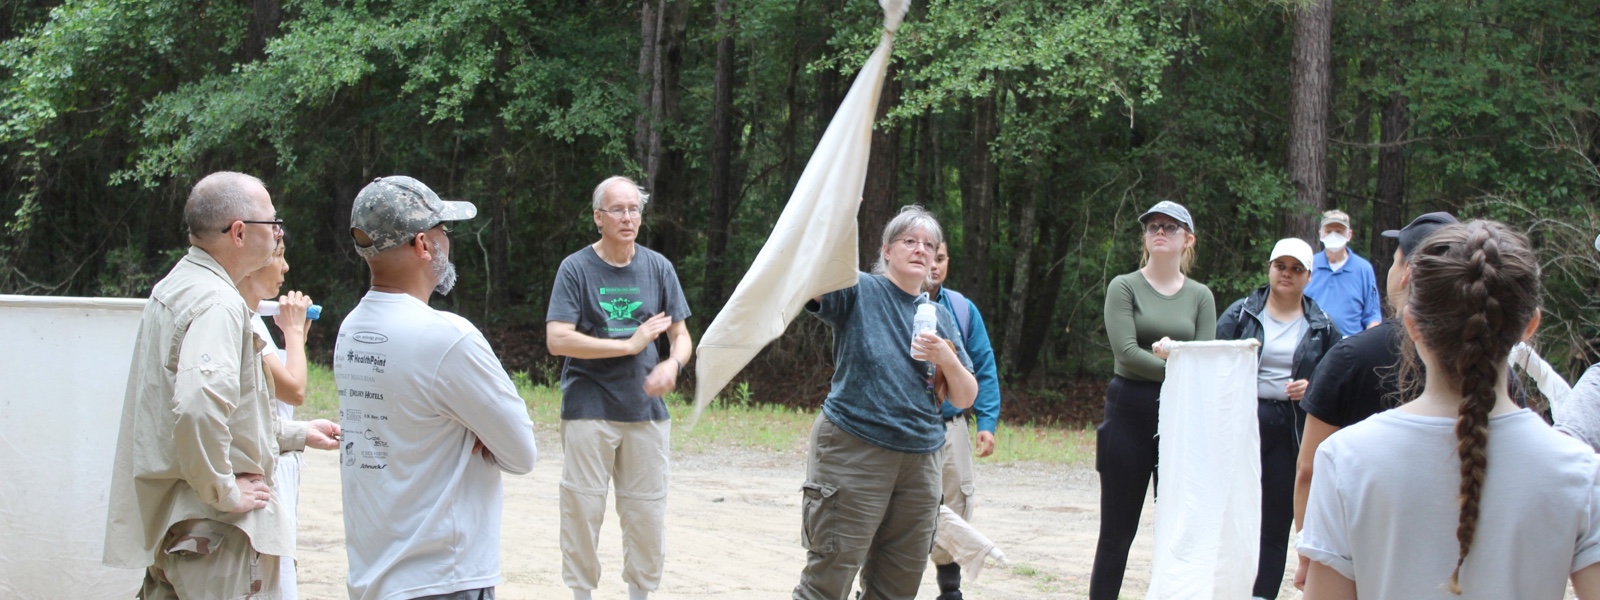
{"x":1335,"y":241}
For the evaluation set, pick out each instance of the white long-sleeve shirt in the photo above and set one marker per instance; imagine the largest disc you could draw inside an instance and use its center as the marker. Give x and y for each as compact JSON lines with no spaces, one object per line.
{"x":417,"y":388}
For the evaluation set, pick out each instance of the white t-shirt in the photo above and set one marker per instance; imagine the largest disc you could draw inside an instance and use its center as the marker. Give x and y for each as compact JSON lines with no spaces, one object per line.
{"x":417,"y":387}
{"x":1383,"y":509}
{"x":259,"y":324}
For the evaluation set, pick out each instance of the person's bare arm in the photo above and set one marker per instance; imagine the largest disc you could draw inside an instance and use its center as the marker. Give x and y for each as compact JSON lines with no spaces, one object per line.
{"x":664,"y":377}
{"x":963,"y":385}
{"x":289,"y":376}
{"x":1324,"y":583}
{"x":564,"y":339}
{"x":1316,"y":432}
{"x":1586,"y":582}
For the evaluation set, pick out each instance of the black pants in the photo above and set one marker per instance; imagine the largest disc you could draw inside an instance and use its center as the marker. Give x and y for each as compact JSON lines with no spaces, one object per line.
{"x":1281,"y":423}
{"x":1125,"y":456}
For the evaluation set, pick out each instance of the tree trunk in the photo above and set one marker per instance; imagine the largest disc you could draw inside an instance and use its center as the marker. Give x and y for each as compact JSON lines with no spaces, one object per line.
{"x":791,"y":99}
{"x":881,"y":197}
{"x":978,"y":204}
{"x":1389,"y":205}
{"x":265,"y":17}
{"x":644,"y":146}
{"x":927,"y":141}
{"x":1359,"y":158}
{"x":665,"y":170}
{"x":1309,"y":82}
{"x":1041,"y":310}
{"x":1022,"y":266}
{"x":723,"y":186}
{"x":500,"y":255}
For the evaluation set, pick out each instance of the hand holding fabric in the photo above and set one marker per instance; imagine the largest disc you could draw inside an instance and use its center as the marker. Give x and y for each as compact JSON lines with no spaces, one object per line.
{"x":1160,"y":348}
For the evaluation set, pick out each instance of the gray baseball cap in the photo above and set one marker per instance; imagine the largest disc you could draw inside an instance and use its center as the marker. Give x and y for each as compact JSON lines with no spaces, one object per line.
{"x":392,"y":209}
{"x":1171,"y":209}
{"x":1419,"y":229}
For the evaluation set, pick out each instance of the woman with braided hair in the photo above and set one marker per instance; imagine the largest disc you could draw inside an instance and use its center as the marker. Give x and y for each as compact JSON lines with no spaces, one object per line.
{"x":1457,"y":493}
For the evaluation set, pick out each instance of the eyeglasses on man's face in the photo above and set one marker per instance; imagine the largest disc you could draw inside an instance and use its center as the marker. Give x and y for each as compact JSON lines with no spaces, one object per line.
{"x":623,"y":212}
{"x":1167,"y":228}
{"x":277,"y":226}
{"x":913,"y":244}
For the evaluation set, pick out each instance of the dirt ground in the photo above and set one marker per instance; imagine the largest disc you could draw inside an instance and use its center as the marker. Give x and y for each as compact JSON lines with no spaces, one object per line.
{"x":734,"y":531}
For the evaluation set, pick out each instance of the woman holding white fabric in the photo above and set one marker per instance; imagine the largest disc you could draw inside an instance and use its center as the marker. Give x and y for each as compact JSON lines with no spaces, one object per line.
{"x":1144,"y":309}
{"x":287,"y":376}
{"x":871,"y":496}
{"x":1294,"y":333}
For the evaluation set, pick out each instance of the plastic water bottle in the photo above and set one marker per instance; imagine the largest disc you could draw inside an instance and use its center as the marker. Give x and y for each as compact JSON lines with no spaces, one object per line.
{"x":269,"y":308}
{"x":926,"y":321}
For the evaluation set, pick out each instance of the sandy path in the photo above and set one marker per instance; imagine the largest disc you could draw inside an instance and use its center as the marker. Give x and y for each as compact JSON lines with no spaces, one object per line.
{"x":734,"y":522}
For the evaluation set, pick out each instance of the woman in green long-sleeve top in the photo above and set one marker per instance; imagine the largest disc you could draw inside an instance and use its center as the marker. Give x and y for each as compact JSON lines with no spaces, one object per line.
{"x":1145,"y":308}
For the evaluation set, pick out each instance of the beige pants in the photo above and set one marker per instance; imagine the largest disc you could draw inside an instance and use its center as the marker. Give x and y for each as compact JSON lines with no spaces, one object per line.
{"x":200,"y":558}
{"x":957,"y":541}
{"x":635,"y":456}
{"x":865,"y":510}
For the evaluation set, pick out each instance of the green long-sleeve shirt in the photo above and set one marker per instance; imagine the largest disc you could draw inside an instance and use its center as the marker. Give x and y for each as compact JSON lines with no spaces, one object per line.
{"x":1138,"y":316}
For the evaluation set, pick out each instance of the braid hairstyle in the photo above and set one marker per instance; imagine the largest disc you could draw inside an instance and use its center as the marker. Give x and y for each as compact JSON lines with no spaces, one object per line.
{"x":1474,"y":288}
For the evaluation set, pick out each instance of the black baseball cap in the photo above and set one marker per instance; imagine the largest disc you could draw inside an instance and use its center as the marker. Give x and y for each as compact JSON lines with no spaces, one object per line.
{"x":1419,"y":229}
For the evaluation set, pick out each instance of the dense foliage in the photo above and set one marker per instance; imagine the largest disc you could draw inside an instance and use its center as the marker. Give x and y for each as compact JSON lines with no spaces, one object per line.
{"x":1037,"y":129}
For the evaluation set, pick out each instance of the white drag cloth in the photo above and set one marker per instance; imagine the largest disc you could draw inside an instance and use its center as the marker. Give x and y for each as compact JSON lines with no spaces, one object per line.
{"x":1208,"y":499}
{"x":812,"y":249}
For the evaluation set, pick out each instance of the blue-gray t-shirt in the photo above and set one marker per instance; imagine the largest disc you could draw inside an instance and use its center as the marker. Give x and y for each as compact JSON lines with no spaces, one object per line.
{"x":610,"y":302}
{"x":880,"y":394}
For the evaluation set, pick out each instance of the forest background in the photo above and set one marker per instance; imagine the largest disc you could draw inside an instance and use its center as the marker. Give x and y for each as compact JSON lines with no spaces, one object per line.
{"x":1037,"y":130}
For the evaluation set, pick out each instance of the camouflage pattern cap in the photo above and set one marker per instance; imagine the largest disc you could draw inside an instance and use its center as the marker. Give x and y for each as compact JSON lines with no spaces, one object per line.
{"x":392,"y":209}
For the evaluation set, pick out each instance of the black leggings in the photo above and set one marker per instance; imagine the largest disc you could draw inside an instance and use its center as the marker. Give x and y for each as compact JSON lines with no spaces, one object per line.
{"x":1281,"y":423}
{"x":1125,"y":456}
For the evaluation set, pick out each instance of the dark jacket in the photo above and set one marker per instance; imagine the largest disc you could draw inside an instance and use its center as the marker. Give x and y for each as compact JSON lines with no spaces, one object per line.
{"x":1242,"y":321}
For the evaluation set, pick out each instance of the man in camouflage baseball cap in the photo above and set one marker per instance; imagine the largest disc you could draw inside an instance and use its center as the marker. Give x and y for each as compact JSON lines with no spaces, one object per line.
{"x":426,"y":393}
{"x":390,"y":210}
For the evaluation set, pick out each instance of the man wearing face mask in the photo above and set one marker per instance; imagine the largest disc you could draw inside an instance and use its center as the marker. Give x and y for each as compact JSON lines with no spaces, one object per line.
{"x":1342,"y":283}
{"x":431,"y":419}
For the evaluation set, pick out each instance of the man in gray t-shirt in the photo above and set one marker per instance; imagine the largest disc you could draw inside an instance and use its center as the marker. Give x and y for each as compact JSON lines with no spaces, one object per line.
{"x":609,"y":304}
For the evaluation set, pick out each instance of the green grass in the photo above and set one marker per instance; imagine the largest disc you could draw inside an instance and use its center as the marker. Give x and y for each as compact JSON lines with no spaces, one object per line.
{"x":739,"y":421}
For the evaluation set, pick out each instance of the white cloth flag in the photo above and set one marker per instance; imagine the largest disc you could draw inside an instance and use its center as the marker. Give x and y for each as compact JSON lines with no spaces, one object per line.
{"x":1550,"y":383}
{"x":64,"y":365}
{"x":1208,"y":500}
{"x":812,"y":249}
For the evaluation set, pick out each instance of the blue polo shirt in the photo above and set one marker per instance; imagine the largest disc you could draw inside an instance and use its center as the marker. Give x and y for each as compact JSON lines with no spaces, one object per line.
{"x":1349,"y":295}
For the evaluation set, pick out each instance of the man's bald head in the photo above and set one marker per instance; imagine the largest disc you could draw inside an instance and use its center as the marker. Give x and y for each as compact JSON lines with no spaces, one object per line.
{"x":220,"y":199}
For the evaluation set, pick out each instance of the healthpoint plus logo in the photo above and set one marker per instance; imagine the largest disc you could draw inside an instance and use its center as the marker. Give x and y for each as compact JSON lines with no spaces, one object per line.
{"x":366,"y":358}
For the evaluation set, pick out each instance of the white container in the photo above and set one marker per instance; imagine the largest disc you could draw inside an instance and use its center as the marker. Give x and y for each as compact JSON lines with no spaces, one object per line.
{"x":269,"y":308}
{"x":926,"y":321}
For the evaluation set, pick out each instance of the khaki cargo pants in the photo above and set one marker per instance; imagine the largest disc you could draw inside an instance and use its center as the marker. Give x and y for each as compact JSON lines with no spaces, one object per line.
{"x":865,"y":510}
{"x":205,"y":559}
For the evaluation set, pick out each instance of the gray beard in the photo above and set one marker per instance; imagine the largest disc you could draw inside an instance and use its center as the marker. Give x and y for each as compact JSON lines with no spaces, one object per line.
{"x":444,"y":272}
